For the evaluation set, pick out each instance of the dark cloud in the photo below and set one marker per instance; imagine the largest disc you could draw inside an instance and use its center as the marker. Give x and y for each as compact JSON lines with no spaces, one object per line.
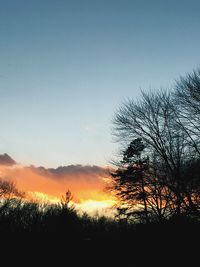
{"x":71,"y":170}
{"x":5,"y":159}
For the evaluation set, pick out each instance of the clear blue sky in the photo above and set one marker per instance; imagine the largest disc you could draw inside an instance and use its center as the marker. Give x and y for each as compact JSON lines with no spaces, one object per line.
{"x":65,"y":67}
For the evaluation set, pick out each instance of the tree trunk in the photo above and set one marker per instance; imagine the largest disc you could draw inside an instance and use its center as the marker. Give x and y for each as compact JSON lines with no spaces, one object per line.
{"x":145,"y":203}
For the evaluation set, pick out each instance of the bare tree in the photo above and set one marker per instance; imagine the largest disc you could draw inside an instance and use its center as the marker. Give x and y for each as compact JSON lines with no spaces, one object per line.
{"x":154,"y":119}
{"x":66,"y":199}
{"x":8,"y":189}
{"x":187,"y":99}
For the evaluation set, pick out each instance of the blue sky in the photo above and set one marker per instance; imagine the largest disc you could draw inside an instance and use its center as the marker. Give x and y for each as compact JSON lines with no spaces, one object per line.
{"x":65,"y":67}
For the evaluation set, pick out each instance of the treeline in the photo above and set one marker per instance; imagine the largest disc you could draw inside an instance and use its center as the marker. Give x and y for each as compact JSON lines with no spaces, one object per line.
{"x":19,"y":216}
{"x":158,"y":175}
{"x":62,"y":222}
{"x":22,"y":218}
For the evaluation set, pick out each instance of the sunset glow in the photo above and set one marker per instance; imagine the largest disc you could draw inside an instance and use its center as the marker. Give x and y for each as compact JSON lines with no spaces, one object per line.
{"x":41,"y":197}
{"x":91,"y":205}
{"x":87,"y":185}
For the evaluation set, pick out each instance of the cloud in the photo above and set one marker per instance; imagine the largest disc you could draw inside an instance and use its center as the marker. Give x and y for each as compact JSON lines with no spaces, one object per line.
{"x":5,"y":159}
{"x":85,"y":182}
{"x":69,"y":170}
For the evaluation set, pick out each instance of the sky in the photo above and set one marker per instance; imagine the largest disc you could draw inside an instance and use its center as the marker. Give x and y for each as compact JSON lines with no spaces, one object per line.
{"x":66,"y":66}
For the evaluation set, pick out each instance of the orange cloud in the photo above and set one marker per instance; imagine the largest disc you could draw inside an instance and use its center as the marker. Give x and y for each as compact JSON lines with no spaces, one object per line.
{"x":86,"y":183}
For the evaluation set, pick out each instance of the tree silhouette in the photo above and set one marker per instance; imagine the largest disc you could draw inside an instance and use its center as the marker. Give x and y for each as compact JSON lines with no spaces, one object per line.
{"x":155,"y":119}
{"x":129,"y":182}
{"x":9,"y":190}
{"x":187,"y":98}
{"x":140,"y":189}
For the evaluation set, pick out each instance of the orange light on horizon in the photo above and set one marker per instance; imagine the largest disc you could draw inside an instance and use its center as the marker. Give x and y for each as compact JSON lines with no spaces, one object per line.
{"x":85,"y":205}
{"x":41,"y":197}
{"x":88,"y":190}
{"x":91,"y":205}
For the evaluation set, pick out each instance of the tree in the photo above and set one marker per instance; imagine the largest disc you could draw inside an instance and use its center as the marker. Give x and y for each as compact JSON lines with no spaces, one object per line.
{"x":140,"y":190}
{"x":129,"y":182}
{"x":66,"y":199}
{"x":187,"y":99}
{"x":154,"y":119}
{"x":9,"y":190}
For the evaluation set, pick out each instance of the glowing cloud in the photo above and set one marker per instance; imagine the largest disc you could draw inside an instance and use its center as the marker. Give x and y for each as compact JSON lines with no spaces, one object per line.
{"x":86,"y":183}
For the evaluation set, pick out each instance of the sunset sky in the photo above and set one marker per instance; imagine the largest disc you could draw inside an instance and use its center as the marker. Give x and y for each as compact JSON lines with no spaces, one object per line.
{"x":86,"y":183}
{"x":65,"y":67}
